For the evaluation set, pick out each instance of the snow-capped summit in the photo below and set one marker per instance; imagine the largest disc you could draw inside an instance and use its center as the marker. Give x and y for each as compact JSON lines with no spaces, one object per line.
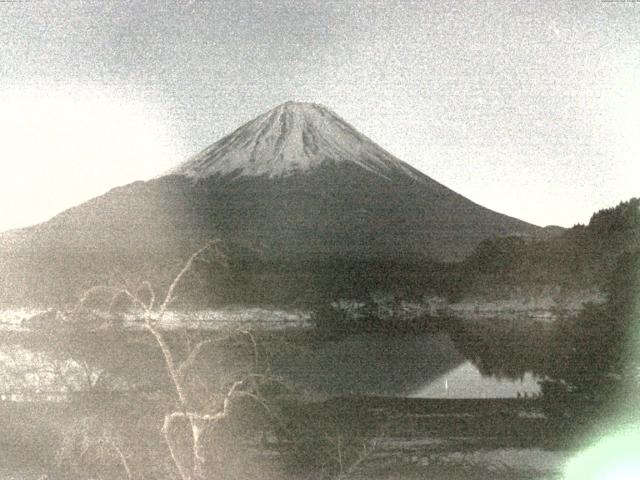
{"x":291,"y":138}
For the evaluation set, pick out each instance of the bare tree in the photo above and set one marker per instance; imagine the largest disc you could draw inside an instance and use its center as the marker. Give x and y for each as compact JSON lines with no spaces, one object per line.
{"x":198,"y":415}
{"x":198,"y":411}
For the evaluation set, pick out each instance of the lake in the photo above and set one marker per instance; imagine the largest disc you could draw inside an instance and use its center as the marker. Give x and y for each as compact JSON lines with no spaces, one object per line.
{"x":429,"y":365}
{"x":418,"y":366}
{"x":403,"y":379}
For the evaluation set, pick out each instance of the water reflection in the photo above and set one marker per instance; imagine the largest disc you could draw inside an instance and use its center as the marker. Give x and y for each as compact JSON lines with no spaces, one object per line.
{"x":485,"y":358}
{"x":422,"y":366}
{"x":466,"y":381}
{"x":367,"y":364}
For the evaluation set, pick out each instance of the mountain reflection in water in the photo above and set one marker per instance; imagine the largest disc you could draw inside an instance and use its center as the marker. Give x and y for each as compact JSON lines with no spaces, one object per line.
{"x":466,"y":381}
{"x":421,"y":366}
{"x":478,"y":359}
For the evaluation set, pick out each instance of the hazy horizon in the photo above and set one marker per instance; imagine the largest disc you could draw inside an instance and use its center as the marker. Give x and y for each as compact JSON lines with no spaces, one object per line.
{"x":527,"y":108}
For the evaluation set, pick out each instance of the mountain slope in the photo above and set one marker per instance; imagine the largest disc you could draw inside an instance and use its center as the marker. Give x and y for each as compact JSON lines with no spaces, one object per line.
{"x":295,"y":188}
{"x":293,"y":138}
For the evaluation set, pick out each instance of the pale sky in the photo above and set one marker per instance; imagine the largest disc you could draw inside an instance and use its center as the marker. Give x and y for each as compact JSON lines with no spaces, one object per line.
{"x":530,"y":108}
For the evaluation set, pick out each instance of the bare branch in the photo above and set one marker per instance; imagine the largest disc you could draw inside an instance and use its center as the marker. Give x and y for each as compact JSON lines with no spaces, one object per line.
{"x":191,"y":358}
{"x":123,"y":459}
{"x":187,"y":266}
{"x":256,"y":360}
{"x":136,"y":301}
{"x":166,"y":431}
{"x":152,"y":292}
{"x":227,"y":399}
{"x":95,"y":290}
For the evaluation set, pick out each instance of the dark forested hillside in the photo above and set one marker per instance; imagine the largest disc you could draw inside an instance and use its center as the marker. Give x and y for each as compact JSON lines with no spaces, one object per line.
{"x":580,"y":258}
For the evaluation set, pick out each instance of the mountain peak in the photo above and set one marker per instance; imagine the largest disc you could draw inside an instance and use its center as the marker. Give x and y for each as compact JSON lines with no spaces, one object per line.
{"x":293,"y":137}
{"x":293,"y":104}
{"x":301,"y":111}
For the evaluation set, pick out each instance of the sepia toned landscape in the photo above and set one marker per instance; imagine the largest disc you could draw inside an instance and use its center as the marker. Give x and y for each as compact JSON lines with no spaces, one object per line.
{"x":294,"y":301}
{"x":363,"y":336}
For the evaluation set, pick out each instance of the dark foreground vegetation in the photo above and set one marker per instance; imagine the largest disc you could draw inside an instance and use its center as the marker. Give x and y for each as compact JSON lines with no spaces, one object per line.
{"x":98,"y":399}
{"x":342,"y":438}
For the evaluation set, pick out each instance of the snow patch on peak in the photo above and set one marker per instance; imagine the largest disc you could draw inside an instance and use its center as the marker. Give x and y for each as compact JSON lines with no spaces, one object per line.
{"x":292,"y":138}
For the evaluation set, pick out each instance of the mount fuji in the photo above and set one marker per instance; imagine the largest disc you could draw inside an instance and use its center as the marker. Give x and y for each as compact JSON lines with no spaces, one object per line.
{"x":293,"y":138}
{"x":296,"y":186}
